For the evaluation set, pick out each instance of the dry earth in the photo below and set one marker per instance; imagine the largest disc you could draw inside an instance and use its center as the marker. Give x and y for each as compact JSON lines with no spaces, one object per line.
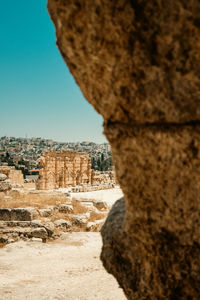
{"x":68,"y":268}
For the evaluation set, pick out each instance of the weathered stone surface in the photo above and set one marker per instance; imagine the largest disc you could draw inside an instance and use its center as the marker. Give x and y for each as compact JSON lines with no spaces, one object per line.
{"x":15,"y":176}
{"x":45,"y":212}
{"x":66,"y":208}
{"x":39,"y":233}
{"x":63,"y":223}
{"x":18,"y":214}
{"x":101,"y":205}
{"x":137,"y":62}
{"x":5,"y":186}
{"x":95,"y":226}
{"x":80,"y":219}
{"x":3,"y":177}
{"x":49,"y":226}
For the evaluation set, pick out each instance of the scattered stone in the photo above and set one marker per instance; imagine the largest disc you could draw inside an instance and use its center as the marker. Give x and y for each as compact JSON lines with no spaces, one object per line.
{"x":95,"y":226}
{"x":36,"y":223}
{"x":11,"y":241}
{"x":66,"y":208}
{"x":49,"y":226}
{"x":3,"y":239}
{"x":23,"y":214}
{"x":80,"y":220}
{"x":39,"y":233}
{"x":45,"y":212}
{"x":63,"y":223}
{"x":33,"y":239}
{"x":18,"y":214}
{"x":101,"y":205}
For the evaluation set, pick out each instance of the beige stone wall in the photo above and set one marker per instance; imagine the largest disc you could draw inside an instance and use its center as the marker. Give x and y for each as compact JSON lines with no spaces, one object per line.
{"x":64,"y":169}
{"x":15,"y":176}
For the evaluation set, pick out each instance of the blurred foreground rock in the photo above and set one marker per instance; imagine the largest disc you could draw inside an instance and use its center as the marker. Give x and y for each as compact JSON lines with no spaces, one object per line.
{"x":137,"y":62}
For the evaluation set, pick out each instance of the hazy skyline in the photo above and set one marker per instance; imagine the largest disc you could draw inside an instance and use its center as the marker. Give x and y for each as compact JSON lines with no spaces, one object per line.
{"x":38,"y":95}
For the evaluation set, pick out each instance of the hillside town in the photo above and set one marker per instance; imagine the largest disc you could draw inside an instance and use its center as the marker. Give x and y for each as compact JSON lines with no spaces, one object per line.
{"x":25,"y":153}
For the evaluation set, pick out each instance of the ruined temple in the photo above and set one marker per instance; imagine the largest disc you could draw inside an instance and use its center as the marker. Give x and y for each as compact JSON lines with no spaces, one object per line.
{"x":60,"y":169}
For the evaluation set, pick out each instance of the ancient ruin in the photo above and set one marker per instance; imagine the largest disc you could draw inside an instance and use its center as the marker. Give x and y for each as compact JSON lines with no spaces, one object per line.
{"x":15,"y":176}
{"x":63,"y":169}
{"x":137,"y":62}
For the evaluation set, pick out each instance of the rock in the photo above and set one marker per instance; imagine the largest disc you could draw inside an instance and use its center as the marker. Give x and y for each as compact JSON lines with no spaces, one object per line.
{"x":5,"y":214}
{"x":39,"y":233}
{"x":18,"y":214}
{"x":36,"y":240}
{"x":3,"y":177}
{"x":80,"y":219}
{"x":5,"y":186}
{"x":17,"y":223}
{"x":23,"y":214}
{"x":3,"y":239}
{"x":95,"y":226}
{"x":11,"y":241}
{"x":63,"y":223}
{"x":101,"y":205}
{"x":45,"y":212}
{"x":49,"y":226}
{"x":137,"y":62}
{"x":36,"y":223}
{"x":66,"y":208}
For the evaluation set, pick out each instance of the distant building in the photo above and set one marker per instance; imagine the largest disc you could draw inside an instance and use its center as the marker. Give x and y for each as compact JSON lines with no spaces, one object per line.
{"x":60,"y":169}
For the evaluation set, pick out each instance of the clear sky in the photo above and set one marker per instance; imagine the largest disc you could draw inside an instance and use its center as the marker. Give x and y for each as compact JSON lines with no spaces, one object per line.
{"x":38,"y":95}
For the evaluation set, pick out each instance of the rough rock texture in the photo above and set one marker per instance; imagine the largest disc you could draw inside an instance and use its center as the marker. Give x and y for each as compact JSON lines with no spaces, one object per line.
{"x":5,"y":186}
{"x":137,"y":62}
{"x":3,"y":177}
{"x":18,"y":214}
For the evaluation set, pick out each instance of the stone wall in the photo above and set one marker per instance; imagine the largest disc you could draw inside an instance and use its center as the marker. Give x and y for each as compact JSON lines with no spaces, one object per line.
{"x":63,"y":169}
{"x":15,"y":176}
{"x":137,"y":62}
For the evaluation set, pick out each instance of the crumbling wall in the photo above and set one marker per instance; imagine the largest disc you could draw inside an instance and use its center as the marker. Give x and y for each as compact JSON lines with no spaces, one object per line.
{"x":137,"y":62}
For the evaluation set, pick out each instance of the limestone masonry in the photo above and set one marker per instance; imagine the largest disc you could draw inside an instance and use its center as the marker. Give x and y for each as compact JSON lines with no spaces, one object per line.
{"x":15,"y":176}
{"x":64,"y":169}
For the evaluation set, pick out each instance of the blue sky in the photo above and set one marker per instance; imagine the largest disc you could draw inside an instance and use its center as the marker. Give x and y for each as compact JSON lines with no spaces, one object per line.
{"x":38,"y":95}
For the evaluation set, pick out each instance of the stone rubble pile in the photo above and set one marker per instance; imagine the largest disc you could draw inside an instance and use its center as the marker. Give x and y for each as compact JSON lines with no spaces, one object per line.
{"x":30,"y":223}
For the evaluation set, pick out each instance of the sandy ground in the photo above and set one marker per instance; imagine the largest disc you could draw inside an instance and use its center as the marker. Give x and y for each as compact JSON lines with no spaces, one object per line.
{"x":110,"y":196}
{"x":68,"y":269}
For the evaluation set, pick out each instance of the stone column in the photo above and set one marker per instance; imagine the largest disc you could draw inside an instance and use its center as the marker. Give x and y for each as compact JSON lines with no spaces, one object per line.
{"x":45,"y":172}
{"x":74,"y":173}
{"x":56,"y":172}
{"x":137,"y":62}
{"x":64,"y":171}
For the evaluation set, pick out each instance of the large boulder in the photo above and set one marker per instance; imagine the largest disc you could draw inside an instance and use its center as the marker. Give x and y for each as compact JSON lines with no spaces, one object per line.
{"x":137,"y":62}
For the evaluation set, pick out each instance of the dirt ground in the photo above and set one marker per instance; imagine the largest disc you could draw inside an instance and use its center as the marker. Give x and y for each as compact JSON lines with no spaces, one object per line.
{"x":68,"y":268}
